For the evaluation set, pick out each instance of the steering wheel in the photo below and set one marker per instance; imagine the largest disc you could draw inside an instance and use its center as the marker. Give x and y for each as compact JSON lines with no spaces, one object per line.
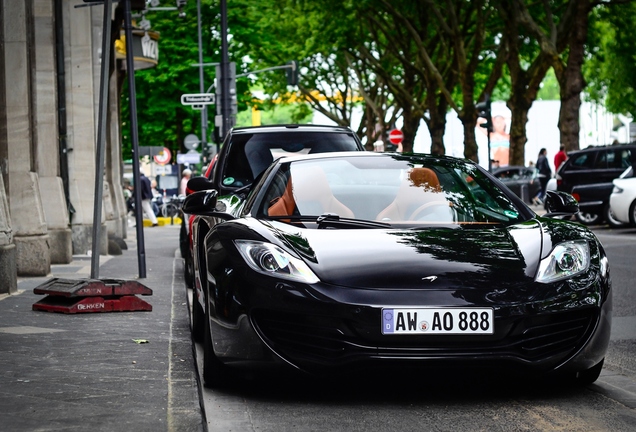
{"x":427,"y":208}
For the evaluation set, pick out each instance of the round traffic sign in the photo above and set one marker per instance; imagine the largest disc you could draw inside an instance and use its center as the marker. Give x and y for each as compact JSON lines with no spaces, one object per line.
{"x":396,"y":136}
{"x":163,"y":157}
{"x":191,"y":141}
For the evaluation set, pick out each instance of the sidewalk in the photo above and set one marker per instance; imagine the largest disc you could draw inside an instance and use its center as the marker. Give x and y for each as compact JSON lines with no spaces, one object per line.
{"x":86,"y":371}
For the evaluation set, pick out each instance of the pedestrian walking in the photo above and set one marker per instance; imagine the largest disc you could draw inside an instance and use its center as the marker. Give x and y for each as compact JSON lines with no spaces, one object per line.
{"x":559,"y":158}
{"x":544,"y":168}
{"x":185,"y":176}
{"x":146,"y":198}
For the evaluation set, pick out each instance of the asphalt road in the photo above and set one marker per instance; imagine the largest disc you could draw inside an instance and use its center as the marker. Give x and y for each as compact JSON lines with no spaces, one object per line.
{"x":450,"y":400}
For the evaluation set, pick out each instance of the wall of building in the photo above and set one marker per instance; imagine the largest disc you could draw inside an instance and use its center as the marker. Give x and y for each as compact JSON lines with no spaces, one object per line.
{"x":36,"y":227}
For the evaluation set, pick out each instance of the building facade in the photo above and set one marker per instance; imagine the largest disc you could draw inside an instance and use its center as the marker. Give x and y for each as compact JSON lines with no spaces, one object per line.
{"x":49,"y":97}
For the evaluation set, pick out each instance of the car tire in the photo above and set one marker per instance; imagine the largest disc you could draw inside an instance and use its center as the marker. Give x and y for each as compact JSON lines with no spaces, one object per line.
{"x":169,"y":210}
{"x":184,"y":248}
{"x":632,"y":213}
{"x":215,"y":373}
{"x":588,"y":218}
{"x":198,"y":319}
{"x":188,"y":272}
{"x":198,"y":311}
{"x":611,"y":219}
{"x":590,"y":375}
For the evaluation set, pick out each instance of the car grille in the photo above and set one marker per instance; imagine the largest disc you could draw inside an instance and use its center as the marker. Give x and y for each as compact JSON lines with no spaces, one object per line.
{"x":330,"y":340}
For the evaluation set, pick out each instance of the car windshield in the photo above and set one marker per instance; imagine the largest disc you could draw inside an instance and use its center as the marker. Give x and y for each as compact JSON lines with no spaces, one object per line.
{"x":396,"y":190}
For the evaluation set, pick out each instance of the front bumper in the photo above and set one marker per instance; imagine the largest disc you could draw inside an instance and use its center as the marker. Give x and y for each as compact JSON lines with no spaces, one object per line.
{"x":313,"y":328}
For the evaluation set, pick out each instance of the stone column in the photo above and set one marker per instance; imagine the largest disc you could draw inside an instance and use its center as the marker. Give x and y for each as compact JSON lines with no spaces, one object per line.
{"x":117,"y":227}
{"x":27,"y":215}
{"x":47,"y":152}
{"x":81,"y":57}
{"x":8,"y":273}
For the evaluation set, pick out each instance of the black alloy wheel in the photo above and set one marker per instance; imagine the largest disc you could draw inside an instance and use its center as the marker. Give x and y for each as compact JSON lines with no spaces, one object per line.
{"x":587,"y":218}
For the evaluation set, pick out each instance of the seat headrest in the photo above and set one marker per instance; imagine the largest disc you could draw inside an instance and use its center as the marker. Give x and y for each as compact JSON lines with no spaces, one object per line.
{"x":259,"y":157}
{"x":425,"y":178}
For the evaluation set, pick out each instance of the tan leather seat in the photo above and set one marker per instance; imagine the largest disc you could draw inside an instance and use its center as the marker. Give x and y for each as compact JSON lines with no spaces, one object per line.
{"x":285,"y":205}
{"x":313,"y":194}
{"x":420,"y":191}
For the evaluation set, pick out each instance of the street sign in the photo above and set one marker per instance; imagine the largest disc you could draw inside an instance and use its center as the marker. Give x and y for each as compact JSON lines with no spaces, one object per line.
{"x":198,"y":99}
{"x":191,"y":141}
{"x":162,"y":170}
{"x":396,"y":136}
{"x":164,"y":157}
{"x":188,"y":158}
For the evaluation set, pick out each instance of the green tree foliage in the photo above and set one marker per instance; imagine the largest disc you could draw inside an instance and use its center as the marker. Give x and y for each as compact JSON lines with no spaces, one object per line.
{"x":611,"y":66}
{"x":162,"y":119}
{"x":395,"y":59}
{"x":307,"y":32}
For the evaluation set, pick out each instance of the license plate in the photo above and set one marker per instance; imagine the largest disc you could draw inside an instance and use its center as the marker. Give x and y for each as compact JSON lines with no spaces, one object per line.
{"x":419,"y":321}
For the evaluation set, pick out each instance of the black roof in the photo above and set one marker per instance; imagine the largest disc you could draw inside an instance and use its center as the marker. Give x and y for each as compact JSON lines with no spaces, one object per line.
{"x":597,"y":147}
{"x":279,"y":128}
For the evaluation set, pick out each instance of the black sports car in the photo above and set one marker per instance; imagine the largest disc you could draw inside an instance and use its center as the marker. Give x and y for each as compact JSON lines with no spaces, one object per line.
{"x":351,"y":259}
{"x":248,"y":151}
{"x":523,"y":181}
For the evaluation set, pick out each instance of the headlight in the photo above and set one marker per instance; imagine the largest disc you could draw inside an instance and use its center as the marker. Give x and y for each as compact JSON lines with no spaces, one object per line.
{"x":566,"y":260}
{"x":271,"y":260}
{"x":617,"y":190}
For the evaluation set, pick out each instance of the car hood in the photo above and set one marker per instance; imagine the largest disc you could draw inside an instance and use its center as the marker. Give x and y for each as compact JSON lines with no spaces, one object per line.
{"x":402,"y":259}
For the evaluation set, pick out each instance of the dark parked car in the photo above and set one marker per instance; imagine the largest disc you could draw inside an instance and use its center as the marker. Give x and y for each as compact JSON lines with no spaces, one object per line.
{"x":523,"y":181}
{"x":245,"y":154}
{"x":336,"y":261}
{"x":587,"y":175}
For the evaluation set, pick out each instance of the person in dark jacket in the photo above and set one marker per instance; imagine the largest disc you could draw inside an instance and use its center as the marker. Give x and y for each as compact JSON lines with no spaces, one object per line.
{"x":544,"y":168}
{"x":146,"y":198}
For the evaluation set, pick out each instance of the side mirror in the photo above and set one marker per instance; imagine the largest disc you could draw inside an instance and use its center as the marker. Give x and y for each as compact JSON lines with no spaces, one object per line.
{"x":560,"y":203}
{"x":201,"y":202}
{"x":205,"y":203}
{"x":201,"y":183}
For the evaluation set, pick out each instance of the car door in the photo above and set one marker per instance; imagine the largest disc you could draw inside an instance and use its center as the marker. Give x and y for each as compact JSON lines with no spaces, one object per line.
{"x":609,"y":164}
{"x":511,"y":177}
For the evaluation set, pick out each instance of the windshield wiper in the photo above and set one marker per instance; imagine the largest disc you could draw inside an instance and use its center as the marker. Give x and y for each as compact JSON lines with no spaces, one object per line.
{"x":333,"y":220}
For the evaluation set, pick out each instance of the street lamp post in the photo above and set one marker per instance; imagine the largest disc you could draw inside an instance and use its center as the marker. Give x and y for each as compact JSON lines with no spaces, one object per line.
{"x":134,"y":135}
{"x":204,"y":112}
{"x":225,"y":73}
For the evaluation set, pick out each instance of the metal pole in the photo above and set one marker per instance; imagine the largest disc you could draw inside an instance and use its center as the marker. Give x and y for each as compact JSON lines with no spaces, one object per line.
{"x":489,"y":155}
{"x":101,"y":139}
{"x":204,"y":111}
{"x":130,"y":69}
{"x":225,"y":72}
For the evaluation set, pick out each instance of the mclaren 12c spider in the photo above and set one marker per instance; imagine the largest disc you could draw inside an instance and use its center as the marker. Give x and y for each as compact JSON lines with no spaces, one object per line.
{"x":352,"y":259}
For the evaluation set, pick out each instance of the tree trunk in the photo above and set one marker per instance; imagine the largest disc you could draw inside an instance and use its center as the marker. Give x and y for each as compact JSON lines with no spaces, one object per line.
{"x":470,"y":142}
{"x":519,"y":108}
{"x":437,"y":130}
{"x":525,"y":77}
{"x":571,"y":80}
{"x":437,"y":108}
{"x":409,"y":129}
{"x":370,"y":119}
{"x":468,"y":118}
